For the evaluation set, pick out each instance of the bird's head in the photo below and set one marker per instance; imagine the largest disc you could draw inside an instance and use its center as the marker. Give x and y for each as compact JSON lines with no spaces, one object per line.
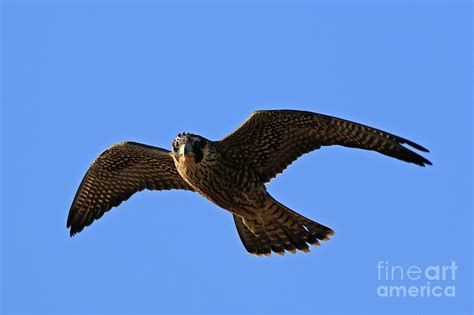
{"x":188,"y":148}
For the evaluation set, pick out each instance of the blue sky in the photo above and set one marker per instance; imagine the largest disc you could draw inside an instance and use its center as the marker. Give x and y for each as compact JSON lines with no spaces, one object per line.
{"x":80,"y":76}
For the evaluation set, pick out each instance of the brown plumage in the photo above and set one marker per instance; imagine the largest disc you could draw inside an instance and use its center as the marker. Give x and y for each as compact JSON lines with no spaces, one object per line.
{"x":232,"y":172}
{"x":118,"y":173}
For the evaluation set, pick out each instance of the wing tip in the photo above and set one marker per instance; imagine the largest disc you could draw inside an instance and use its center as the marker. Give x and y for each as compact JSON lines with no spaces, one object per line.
{"x":420,"y":160}
{"x":411,"y":156}
{"x":416,"y":146}
{"x":73,"y":224}
{"x":75,"y":229}
{"x":427,"y":162}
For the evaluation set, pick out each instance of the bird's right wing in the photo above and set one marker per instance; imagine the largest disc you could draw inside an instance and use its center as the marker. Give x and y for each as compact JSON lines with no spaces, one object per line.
{"x":118,"y":173}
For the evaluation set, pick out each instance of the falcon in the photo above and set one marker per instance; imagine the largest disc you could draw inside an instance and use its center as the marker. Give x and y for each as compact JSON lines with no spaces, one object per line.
{"x":232,"y":173}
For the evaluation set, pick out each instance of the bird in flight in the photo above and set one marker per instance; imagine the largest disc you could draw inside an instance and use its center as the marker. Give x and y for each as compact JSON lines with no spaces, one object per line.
{"x":232,"y":173}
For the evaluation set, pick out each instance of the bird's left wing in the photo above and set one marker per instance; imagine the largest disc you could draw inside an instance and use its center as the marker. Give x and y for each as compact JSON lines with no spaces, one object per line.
{"x":270,"y":140}
{"x":118,"y":173}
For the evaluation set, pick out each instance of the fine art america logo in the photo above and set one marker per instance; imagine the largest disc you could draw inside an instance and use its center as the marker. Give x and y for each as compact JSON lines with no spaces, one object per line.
{"x":416,"y":281}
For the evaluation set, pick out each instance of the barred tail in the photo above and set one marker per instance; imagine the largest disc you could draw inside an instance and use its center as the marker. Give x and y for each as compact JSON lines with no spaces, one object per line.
{"x":282,"y":229}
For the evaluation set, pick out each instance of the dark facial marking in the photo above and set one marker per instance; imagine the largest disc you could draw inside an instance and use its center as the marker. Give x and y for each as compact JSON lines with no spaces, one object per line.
{"x":197,"y":150}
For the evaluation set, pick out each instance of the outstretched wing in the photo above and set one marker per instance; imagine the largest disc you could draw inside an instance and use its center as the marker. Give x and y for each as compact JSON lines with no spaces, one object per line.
{"x":118,"y":173}
{"x":270,"y":140}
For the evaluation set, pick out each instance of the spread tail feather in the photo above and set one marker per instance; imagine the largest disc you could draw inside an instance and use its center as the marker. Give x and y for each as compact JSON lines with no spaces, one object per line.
{"x":282,"y":229}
